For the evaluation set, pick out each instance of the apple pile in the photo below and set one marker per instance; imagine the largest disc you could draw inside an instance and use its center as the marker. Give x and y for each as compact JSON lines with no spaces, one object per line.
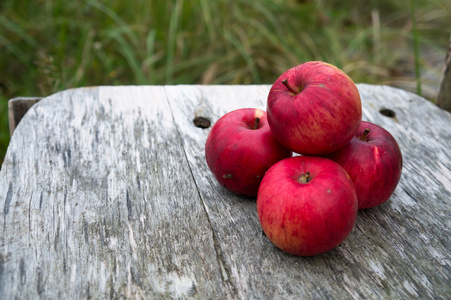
{"x":306,"y":204}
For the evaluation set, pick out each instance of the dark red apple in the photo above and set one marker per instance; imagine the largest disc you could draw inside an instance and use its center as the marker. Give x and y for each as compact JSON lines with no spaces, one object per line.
{"x":374,"y":162}
{"x":240,"y":149}
{"x":314,"y":108}
{"x":307,"y":205}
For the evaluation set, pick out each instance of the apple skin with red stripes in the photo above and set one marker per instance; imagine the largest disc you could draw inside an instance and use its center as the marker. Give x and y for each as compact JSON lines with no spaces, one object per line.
{"x":306,"y":205}
{"x":240,"y":148}
{"x":374,"y":161}
{"x":314,"y":108}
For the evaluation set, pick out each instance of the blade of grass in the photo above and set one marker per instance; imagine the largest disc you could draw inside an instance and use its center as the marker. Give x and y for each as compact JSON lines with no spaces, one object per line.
{"x":118,"y":20}
{"x":18,"y":30}
{"x":84,"y":59}
{"x":244,"y":50}
{"x":15,"y":51}
{"x":151,"y":56}
{"x":129,"y":53}
{"x":208,"y":20}
{"x":416,"y":47}
{"x":171,"y":45}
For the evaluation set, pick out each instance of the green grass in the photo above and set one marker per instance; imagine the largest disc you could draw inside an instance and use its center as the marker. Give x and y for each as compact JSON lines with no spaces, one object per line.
{"x":52,"y":45}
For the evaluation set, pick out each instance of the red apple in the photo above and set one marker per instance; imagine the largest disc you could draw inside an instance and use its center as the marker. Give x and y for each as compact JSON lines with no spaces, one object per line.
{"x":307,"y":205}
{"x":240,"y":149}
{"x":314,"y":108}
{"x":374,"y":162}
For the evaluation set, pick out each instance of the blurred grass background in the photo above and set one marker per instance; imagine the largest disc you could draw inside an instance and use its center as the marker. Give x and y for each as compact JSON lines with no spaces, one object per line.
{"x":51,"y":45}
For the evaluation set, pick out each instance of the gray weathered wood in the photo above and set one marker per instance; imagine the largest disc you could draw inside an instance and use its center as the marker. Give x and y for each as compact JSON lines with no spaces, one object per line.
{"x":105,"y":213}
{"x":444,"y":93}
{"x":111,"y":197}
{"x":17,"y":108}
{"x":391,"y":244}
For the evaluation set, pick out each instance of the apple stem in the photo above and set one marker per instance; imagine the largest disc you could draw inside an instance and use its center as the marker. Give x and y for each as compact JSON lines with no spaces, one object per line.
{"x":256,"y":123}
{"x":305,"y":178}
{"x":291,"y":88}
{"x":365,"y":134}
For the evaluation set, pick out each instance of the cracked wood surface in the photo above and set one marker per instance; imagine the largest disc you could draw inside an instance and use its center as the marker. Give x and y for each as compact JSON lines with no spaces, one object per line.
{"x":105,"y":193}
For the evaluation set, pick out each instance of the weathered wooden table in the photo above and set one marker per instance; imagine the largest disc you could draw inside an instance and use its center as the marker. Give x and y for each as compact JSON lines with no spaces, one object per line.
{"x":105,"y":193}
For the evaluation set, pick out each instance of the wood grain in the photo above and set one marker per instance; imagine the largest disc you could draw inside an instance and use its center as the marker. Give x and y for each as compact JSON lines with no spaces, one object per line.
{"x":100,"y":202}
{"x":390,"y":244}
{"x":105,"y":193}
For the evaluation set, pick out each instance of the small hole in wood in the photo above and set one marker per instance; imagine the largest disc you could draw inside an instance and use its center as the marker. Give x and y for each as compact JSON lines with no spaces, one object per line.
{"x":387,"y":112}
{"x":201,"y":122}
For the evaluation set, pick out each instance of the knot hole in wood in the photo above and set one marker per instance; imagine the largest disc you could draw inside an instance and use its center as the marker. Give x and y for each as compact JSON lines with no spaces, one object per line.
{"x":387,"y":112}
{"x":201,"y":122}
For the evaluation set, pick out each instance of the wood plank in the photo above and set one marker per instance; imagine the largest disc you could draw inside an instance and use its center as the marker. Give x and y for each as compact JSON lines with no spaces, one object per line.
{"x":110,"y":197}
{"x":98,"y":201}
{"x":398,"y":250}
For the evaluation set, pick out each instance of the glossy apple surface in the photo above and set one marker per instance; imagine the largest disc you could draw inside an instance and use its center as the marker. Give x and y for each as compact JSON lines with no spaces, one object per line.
{"x":314,"y":108}
{"x":240,"y":148}
{"x":306,"y":205}
{"x":374,"y":162}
